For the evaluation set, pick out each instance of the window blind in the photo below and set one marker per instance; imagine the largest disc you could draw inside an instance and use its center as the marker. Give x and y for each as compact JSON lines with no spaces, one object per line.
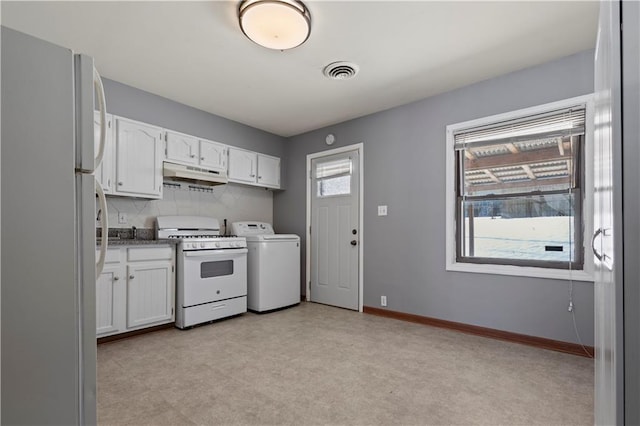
{"x":333,"y":168}
{"x":559,"y":123}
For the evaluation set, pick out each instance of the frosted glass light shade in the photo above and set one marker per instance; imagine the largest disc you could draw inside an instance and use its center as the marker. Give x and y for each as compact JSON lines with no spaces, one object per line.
{"x":275,"y":24}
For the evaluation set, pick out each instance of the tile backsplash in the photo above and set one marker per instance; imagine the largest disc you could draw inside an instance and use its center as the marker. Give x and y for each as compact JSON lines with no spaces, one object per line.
{"x":231,"y":201}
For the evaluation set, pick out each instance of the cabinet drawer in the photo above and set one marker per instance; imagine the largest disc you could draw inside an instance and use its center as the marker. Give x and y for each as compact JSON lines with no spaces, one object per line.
{"x":149,"y":253}
{"x":113,"y":255}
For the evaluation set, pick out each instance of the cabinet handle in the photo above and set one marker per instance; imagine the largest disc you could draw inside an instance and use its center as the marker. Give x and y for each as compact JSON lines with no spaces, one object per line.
{"x":116,"y":278}
{"x":193,"y":156}
{"x":202,"y":158}
{"x":131,"y":277}
{"x":253,"y":175}
{"x":120,"y":184}
{"x":259,"y":177}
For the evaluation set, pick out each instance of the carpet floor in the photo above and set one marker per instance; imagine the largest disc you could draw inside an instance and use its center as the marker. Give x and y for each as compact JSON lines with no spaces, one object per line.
{"x":314,"y":364}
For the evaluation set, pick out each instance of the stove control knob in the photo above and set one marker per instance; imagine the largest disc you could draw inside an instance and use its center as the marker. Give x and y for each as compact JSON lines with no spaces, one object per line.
{"x":201,"y":245}
{"x":193,"y":245}
{"x":217,"y":244}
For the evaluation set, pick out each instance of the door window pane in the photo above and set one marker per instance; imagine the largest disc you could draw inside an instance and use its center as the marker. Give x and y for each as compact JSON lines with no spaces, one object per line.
{"x":340,"y":185}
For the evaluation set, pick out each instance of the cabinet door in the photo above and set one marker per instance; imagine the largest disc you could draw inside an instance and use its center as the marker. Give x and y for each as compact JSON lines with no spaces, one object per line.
{"x":149,"y":293}
{"x":181,"y":148}
{"x":104,"y":172}
{"x":138,"y":159}
{"x":110,"y":301}
{"x":242,"y":165}
{"x":213,"y":155}
{"x":268,"y":171}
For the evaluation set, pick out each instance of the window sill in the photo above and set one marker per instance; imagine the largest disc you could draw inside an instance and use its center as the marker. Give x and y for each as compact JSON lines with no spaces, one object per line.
{"x":521,"y":271}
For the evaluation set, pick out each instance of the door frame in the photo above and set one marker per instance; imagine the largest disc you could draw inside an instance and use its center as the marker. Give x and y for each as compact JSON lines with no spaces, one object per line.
{"x":359,"y":147}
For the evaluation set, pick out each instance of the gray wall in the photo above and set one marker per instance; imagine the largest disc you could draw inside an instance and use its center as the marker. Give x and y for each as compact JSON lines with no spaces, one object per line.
{"x":404,"y":168}
{"x":137,"y":104}
{"x":233,"y":202}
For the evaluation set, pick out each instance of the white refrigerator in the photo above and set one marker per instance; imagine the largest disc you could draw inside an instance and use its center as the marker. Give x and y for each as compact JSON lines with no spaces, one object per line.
{"x":48,"y":220}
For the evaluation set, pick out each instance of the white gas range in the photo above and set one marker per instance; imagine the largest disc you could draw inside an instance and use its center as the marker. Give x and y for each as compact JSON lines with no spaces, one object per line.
{"x":211,"y":274}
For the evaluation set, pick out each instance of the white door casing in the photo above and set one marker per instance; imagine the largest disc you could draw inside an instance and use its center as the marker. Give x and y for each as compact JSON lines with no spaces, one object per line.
{"x":334,"y":252}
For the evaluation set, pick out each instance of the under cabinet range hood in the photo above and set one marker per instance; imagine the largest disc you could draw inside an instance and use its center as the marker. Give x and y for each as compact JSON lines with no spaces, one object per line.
{"x":195,"y":174}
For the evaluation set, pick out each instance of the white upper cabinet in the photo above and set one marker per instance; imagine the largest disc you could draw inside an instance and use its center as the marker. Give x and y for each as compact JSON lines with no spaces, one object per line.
{"x":138,"y":159}
{"x":213,"y":155}
{"x":189,"y":150}
{"x":268,"y":171}
{"x":105,"y":172}
{"x":182,"y":148}
{"x":253,"y":168}
{"x":243,"y":166}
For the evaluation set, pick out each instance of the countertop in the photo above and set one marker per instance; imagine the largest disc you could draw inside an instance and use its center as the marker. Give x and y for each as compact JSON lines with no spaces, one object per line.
{"x":125,"y":237}
{"x":138,"y":242}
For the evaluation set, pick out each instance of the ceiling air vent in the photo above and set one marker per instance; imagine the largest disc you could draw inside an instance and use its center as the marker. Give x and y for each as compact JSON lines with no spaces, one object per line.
{"x":341,"y":70}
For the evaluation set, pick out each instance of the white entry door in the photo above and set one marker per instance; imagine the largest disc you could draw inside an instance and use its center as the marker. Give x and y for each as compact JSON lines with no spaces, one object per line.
{"x":335,"y":229}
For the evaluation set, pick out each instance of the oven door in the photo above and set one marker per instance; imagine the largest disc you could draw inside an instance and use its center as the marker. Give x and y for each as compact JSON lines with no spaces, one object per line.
{"x":211,"y":275}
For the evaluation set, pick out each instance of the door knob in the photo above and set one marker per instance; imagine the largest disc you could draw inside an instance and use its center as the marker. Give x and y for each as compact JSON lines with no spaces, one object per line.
{"x":354,"y":232}
{"x":354,"y":242}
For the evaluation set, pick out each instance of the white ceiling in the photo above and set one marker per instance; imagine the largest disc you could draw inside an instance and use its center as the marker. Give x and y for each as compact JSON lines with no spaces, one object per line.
{"x":195,"y":53}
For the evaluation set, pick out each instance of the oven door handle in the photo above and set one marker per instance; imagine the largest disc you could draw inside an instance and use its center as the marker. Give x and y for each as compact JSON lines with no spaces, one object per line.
{"x":209,"y":253}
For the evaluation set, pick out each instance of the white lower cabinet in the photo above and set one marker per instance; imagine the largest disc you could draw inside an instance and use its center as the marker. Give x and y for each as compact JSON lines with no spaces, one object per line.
{"x":149,"y":294}
{"x":110,"y":301}
{"x":136,"y":289}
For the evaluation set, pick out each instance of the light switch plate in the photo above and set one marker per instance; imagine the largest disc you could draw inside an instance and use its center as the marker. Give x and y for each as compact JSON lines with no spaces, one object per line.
{"x":382,"y":210}
{"x":122,"y":218}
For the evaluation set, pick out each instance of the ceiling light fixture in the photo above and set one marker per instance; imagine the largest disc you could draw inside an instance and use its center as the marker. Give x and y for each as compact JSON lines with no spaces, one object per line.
{"x":275,"y":24}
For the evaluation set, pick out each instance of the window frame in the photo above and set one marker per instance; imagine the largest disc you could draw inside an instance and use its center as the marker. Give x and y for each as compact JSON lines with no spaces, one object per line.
{"x":507,"y":266}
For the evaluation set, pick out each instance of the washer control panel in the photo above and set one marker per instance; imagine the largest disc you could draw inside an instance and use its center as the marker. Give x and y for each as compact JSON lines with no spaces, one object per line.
{"x":247,"y":229}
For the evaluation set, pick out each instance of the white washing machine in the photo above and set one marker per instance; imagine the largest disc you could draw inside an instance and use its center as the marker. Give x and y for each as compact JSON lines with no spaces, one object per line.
{"x":273,"y":266}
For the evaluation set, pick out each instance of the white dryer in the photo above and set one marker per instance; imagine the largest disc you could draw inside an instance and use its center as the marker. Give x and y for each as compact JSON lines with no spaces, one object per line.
{"x":273,"y":266}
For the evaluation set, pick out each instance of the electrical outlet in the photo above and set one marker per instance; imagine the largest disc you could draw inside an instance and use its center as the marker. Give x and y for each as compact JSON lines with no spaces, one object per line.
{"x":122,"y":218}
{"x":383,"y":300}
{"x":382,"y":210}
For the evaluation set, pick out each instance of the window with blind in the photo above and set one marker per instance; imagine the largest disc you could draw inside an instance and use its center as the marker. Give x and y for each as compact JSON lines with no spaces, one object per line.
{"x":519,"y":190}
{"x":333,"y":178}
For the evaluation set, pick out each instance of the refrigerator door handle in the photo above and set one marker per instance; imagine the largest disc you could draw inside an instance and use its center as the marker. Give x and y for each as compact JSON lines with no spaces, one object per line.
{"x":104,"y":222}
{"x":99,"y":88}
